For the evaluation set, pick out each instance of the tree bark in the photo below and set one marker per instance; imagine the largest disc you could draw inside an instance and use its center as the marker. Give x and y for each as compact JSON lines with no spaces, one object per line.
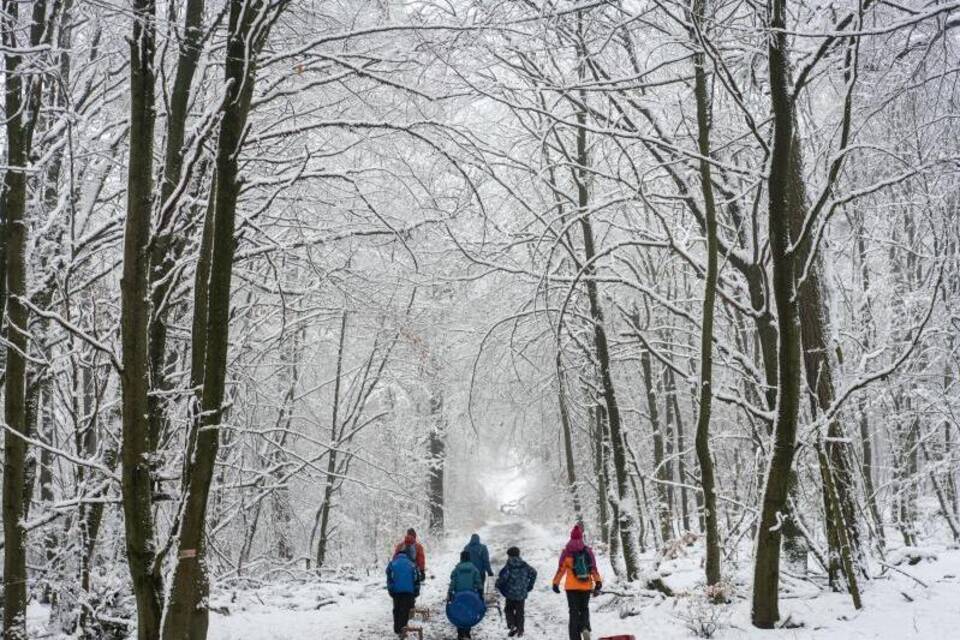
{"x":675,"y":418}
{"x":187,"y":615}
{"x":136,"y":449}
{"x":166,"y":247}
{"x":705,"y":458}
{"x":837,"y":467}
{"x":866,"y":440}
{"x":437,"y":450}
{"x":662,"y":498}
{"x":566,"y":430}
{"x":600,"y":469}
{"x":766,"y":583}
{"x":621,"y":515}
{"x":22,"y":92}
{"x":324,"y":515}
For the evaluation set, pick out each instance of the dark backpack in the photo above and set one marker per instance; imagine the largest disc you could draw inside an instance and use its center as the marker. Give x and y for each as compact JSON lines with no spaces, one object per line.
{"x":582,"y":565}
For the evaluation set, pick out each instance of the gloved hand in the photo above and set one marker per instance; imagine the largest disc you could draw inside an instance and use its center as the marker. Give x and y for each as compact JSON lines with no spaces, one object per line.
{"x":556,"y":588}
{"x":597,"y":588}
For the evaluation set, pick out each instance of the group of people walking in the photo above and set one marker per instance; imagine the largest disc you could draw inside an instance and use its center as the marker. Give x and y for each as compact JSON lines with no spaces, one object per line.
{"x":577,"y":574}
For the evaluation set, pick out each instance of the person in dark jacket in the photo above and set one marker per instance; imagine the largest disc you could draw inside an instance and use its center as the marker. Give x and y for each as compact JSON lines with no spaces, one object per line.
{"x":403,"y":584}
{"x":480,"y":558}
{"x":465,"y":577}
{"x":514,"y":583}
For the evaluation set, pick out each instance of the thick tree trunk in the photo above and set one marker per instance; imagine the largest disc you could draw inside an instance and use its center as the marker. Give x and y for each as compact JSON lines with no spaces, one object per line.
{"x":22,"y":91}
{"x":837,"y":467}
{"x":187,"y":615}
{"x":166,"y":248}
{"x":704,"y":457}
{"x":136,"y":449}
{"x":766,"y":582}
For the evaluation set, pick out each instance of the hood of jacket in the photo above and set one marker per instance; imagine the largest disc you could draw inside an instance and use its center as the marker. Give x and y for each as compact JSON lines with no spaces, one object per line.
{"x":474,"y":540}
{"x":466,"y":565}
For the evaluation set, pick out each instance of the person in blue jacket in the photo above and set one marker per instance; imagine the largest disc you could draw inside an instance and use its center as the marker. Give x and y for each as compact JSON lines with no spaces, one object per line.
{"x":465,"y":577}
{"x":514,"y":583}
{"x":480,"y":558}
{"x":403,"y":584}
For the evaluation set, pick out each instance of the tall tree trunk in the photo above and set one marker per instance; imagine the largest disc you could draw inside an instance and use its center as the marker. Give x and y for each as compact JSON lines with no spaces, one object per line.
{"x":136,"y":449}
{"x":660,"y":475}
{"x":705,"y":458}
{"x":328,"y":487}
{"x":90,"y":516}
{"x":187,"y":615}
{"x":566,"y":430}
{"x":675,"y":418}
{"x":866,"y":440}
{"x":437,"y":450}
{"x":836,"y":467}
{"x":600,"y":469}
{"x":621,"y":515}
{"x":22,"y":91}
{"x":51,"y":541}
{"x":166,"y":247}
{"x":766,"y":582}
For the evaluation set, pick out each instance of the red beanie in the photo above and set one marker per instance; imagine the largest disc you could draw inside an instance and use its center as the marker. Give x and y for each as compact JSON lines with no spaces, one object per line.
{"x":577,"y":533}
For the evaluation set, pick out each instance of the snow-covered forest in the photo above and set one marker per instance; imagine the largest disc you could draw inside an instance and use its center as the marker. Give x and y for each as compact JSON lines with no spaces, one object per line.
{"x":284,"y":278}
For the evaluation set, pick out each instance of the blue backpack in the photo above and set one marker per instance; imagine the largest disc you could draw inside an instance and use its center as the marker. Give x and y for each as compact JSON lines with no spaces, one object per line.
{"x":402,"y":576}
{"x":466,"y":610}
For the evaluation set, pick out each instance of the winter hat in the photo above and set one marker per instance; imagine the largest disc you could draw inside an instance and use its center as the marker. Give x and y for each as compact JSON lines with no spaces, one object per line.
{"x":577,"y":533}
{"x":464,"y":556}
{"x":411,"y":532}
{"x":513,"y":552}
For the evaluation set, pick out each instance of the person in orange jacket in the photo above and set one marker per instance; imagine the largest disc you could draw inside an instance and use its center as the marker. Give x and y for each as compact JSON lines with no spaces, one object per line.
{"x":579,"y":564}
{"x":414,"y":551}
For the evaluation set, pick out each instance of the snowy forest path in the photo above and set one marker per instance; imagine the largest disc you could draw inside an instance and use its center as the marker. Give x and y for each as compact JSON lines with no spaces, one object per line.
{"x":362,"y":611}
{"x":898,"y":607}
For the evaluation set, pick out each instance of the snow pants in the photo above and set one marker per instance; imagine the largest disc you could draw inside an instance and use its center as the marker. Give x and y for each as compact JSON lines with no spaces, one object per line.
{"x":579,"y":605}
{"x":402,"y":608}
{"x":514,"y":612}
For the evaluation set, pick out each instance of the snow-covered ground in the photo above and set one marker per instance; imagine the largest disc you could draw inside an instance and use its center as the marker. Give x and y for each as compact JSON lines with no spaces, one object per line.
{"x":897,"y":605}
